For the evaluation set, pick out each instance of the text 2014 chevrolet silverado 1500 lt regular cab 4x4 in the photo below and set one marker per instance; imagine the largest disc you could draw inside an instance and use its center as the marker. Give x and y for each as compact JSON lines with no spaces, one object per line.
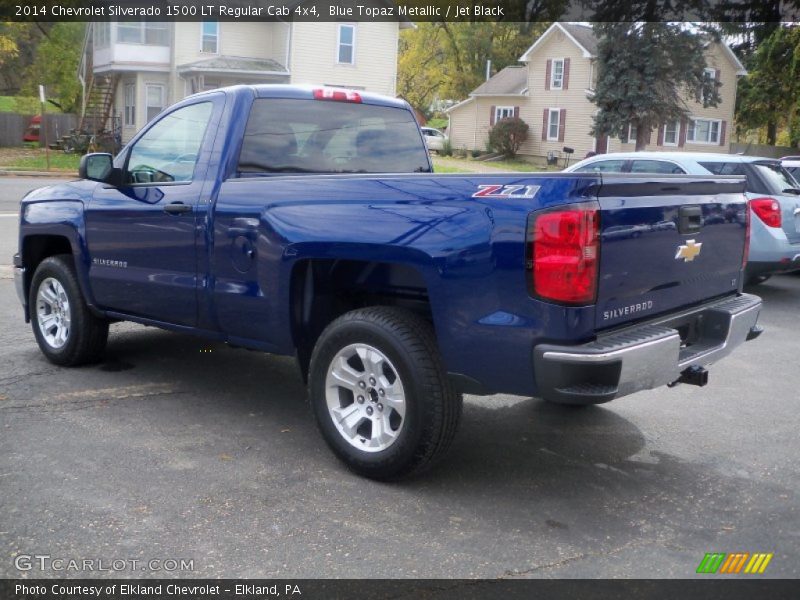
{"x":308,"y":222}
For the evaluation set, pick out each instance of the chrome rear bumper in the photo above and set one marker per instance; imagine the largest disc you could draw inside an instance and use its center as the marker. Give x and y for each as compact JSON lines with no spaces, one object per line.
{"x":643,"y":357}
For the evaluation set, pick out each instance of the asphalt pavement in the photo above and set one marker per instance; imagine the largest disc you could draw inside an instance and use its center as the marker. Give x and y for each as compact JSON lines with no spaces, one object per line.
{"x":175,"y":448}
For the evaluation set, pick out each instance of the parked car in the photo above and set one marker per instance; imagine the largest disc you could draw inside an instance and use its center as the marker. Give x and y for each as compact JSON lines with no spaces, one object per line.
{"x":434,"y":139}
{"x":307,"y":222}
{"x":773,"y":193}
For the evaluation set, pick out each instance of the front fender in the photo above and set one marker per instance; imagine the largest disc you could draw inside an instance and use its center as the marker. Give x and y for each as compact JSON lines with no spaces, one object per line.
{"x":59,"y":218}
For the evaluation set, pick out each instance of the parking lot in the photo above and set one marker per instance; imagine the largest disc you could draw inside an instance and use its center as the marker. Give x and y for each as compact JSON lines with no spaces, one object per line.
{"x":174,"y":448}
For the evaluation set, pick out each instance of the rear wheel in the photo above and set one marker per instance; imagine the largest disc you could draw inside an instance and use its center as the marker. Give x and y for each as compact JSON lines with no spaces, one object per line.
{"x":65,"y":329}
{"x":380,"y":394}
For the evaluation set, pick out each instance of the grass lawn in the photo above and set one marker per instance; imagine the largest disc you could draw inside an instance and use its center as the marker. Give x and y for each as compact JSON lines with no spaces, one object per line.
{"x":34,"y":159}
{"x":438,"y":167}
{"x":449,"y":164}
{"x":29,"y":104}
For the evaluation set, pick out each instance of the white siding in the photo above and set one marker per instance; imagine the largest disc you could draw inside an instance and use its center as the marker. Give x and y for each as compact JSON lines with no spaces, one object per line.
{"x":237,"y":38}
{"x":469,"y":123}
{"x":573,"y":99}
{"x":314,"y":56}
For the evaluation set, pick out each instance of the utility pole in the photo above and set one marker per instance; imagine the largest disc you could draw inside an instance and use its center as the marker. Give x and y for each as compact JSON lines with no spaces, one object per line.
{"x":43,"y":127}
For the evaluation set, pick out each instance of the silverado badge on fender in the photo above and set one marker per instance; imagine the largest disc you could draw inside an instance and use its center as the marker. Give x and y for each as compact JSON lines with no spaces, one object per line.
{"x":688,"y":251}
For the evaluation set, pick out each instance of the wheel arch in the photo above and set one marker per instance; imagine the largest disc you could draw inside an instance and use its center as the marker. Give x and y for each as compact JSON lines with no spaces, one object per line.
{"x":38,"y":243}
{"x":321,"y":289}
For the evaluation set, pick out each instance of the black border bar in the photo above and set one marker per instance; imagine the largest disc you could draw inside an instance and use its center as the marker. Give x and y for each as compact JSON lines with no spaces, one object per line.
{"x":708,"y":588}
{"x":402,"y":10}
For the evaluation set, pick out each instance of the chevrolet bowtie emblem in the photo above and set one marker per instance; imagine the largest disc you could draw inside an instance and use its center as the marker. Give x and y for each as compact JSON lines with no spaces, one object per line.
{"x":689,"y":251}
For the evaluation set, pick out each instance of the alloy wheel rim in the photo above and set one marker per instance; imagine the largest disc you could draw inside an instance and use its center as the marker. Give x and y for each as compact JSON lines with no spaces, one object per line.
{"x":365,"y":397}
{"x":53,"y":313}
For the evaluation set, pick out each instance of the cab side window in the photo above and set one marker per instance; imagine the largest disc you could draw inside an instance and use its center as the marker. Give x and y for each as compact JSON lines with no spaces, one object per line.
{"x":656,"y":166}
{"x":603,"y":166}
{"x":168,"y":151}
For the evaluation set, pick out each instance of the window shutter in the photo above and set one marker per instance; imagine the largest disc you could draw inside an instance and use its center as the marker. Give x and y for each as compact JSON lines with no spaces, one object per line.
{"x":516,"y":111}
{"x":544,"y":125}
{"x":565,"y":84}
{"x":660,"y":137}
{"x":722,"y":128}
{"x":561,"y":123}
{"x":682,"y":136}
{"x":716,"y":75}
{"x":492,"y":116}
{"x":547,"y":74}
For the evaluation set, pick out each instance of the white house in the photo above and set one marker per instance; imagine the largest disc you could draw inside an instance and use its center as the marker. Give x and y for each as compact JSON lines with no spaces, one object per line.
{"x":132,"y":70}
{"x":551,"y":90}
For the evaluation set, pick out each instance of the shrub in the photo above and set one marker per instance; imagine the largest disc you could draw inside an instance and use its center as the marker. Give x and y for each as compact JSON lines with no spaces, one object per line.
{"x":507,"y":135}
{"x":447,"y":148}
{"x":475,"y":153}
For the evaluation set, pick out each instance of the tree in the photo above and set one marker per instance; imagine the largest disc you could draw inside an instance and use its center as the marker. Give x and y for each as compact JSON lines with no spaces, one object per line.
{"x":18,"y":43}
{"x":507,"y":135}
{"x":768,"y":97}
{"x":448,"y":60}
{"x":55,"y":65}
{"x":420,"y":65}
{"x":645,"y":70}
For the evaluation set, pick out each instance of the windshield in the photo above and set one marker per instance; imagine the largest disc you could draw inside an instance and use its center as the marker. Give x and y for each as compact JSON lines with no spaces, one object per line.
{"x":778,"y":179}
{"x":313,"y":136}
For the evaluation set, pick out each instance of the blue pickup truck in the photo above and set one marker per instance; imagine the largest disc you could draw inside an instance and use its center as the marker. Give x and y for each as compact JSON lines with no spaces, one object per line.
{"x":308,"y":222}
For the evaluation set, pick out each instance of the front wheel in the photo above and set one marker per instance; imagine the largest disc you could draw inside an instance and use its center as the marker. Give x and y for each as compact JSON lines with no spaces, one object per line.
{"x":380,"y":394}
{"x":66,"y":330}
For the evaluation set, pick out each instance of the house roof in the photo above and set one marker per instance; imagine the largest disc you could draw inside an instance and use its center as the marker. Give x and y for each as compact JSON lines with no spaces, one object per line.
{"x":510,"y":81}
{"x":235,"y":65}
{"x":580,"y":35}
{"x":583,"y":37}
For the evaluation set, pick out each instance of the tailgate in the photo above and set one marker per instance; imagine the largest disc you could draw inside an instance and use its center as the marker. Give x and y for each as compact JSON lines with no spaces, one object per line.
{"x":667,"y":242}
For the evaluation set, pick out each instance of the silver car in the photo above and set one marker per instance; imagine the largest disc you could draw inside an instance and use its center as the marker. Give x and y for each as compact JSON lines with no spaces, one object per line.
{"x":434,"y":138}
{"x":773,"y":193}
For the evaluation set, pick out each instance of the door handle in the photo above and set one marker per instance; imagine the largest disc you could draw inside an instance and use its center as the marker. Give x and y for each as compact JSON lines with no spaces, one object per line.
{"x":177,"y":208}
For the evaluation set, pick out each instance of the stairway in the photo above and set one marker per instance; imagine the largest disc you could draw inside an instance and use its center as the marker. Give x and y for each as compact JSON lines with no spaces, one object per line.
{"x":100,"y":103}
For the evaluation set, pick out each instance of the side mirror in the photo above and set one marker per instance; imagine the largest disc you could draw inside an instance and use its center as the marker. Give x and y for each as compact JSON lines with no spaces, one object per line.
{"x":96,"y":166}
{"x":99,"y":166}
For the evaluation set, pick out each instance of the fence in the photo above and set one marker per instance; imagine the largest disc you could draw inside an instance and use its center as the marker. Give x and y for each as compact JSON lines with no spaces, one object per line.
{"x":763,"y":150}
{"x":13,"y":126}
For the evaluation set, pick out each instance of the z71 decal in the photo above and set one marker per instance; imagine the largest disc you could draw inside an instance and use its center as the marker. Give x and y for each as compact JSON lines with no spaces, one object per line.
{"x":491,"y":190}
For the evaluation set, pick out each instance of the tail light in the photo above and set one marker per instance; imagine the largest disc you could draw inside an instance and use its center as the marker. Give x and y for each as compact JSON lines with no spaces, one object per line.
{"x":564,"y":255}
{"x":768,"y":210}
{"x":337,"y":95}
{"x":746,"y":235}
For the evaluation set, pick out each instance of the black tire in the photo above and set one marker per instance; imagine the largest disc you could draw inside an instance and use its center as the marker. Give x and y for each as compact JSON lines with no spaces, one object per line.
{"x":432,"y":405}
{"x":85,"y":340}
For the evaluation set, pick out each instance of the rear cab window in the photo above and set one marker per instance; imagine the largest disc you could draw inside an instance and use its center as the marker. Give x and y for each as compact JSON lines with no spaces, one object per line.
{"x":285,"y":136}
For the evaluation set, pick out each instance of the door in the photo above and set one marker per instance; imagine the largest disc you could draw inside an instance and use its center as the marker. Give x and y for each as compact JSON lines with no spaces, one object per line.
{"x":142,"y":235}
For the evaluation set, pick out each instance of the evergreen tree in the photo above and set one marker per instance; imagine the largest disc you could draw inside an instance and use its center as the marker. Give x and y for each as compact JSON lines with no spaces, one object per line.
{"x":769,"y":96}
{"x":645,"y":70}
